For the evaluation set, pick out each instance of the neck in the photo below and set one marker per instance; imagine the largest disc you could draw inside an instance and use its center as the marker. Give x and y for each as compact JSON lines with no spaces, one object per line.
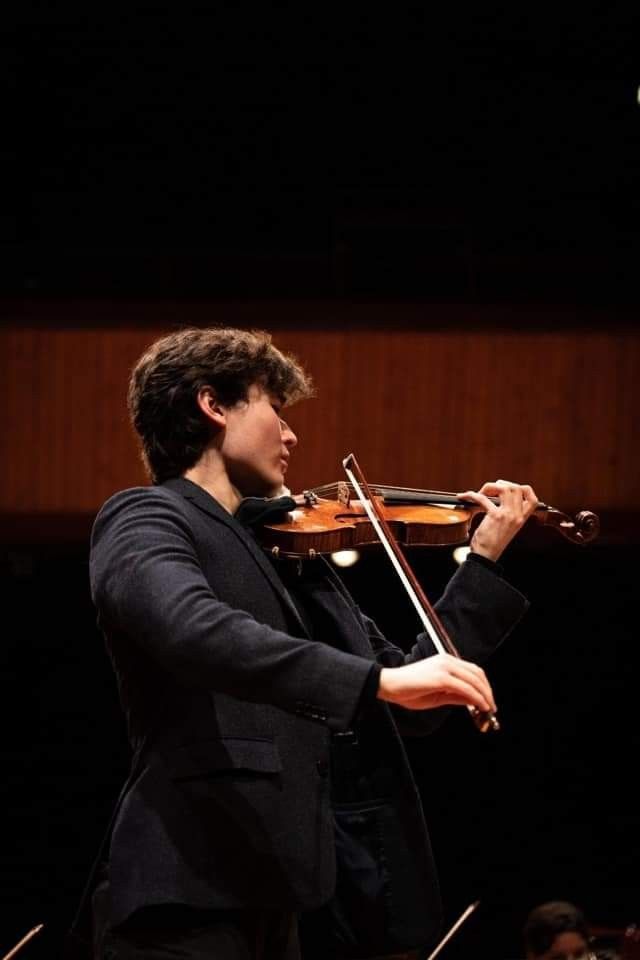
{"x":210,"y":474}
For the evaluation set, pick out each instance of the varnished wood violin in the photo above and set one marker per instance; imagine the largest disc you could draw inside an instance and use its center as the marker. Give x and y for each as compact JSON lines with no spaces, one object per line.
{"x":393,"y":516}
{"x":330,"y":518}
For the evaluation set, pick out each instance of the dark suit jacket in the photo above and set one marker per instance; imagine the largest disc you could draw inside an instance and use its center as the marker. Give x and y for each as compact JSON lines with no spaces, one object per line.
{"x":232,"y":710}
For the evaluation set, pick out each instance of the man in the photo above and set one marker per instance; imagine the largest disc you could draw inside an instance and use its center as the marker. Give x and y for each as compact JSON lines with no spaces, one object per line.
{"x":268,"y":779}
{"x":556,"y":930}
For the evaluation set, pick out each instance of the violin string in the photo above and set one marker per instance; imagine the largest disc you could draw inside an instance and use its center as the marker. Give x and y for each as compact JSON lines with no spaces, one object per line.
{"x":330,"y":489}
{"x":445,"y":497}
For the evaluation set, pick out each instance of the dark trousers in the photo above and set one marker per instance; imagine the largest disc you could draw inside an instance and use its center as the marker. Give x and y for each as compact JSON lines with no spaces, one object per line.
{"x":175,"y":931}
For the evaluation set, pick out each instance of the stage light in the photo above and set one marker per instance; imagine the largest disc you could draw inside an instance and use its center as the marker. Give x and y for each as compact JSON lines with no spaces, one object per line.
{"x":460,"y":554}
{"x":345,"y":558}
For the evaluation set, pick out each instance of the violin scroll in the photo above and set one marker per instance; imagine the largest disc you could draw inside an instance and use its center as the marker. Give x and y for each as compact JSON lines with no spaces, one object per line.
{"x":581,"y":530}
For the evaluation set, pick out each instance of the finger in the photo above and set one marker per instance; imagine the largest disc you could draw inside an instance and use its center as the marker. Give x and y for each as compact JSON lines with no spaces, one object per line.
{"x":525,"y":490}
{"x":528,"y":492}
{"x":509,"y":488}
{"x":530,"y":499}
{"x":496,"y":488}
{"x":488,"y":489}
{"x":458,"y":693}
{"x":479,"y":498}
{"x":475,"y":676}
{"x":512,"y":497}
{"x":456,"y":671}
{"x":457,"y":665}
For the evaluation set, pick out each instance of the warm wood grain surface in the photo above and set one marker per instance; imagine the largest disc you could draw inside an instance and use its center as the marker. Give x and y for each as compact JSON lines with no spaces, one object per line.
{"x":427,"y":407}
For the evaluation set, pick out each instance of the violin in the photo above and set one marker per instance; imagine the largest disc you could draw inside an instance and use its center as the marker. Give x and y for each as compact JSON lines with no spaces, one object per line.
{"x":329,"y":518}
{"x":319,"y":525}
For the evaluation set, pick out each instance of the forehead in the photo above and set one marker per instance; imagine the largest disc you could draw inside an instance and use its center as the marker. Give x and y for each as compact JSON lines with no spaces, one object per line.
{"x":566,"y":946}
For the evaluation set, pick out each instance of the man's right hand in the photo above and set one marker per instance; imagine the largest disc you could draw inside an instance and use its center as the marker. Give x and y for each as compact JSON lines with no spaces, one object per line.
{"x":440,"y":680}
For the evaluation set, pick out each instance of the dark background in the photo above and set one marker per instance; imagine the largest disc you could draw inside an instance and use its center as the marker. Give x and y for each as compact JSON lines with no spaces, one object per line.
{"x":426,"y":153}
{"x":420,"y":151}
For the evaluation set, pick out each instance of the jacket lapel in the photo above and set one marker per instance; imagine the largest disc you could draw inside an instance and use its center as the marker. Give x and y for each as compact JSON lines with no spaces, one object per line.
{"x":205,"y":502}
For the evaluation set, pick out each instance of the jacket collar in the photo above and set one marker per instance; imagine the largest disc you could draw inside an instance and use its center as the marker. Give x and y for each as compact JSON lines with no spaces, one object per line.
{"x":205,"y":502}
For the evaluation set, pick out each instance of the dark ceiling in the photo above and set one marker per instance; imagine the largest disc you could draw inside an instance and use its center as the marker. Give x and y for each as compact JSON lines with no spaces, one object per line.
{"x":418,"y":152}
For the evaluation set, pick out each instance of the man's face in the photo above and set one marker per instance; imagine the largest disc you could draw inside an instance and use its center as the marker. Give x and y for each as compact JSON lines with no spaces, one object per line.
{"x":257,"y":445}
{"x":567,"y":946}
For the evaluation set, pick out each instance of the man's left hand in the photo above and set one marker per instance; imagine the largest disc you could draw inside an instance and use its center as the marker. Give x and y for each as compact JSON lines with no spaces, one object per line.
{"x":502,"y":520}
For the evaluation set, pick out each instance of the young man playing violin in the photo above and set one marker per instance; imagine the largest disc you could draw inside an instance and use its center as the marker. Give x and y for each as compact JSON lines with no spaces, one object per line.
{"x":269,"y":787}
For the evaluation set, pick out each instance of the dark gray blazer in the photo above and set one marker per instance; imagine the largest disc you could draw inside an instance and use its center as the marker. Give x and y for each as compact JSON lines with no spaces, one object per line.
{"x":232,"y":711}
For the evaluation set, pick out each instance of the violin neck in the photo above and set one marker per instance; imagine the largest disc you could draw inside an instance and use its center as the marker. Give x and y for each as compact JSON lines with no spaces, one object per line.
{"x":397,"y":495}
{"x":406,"y":495}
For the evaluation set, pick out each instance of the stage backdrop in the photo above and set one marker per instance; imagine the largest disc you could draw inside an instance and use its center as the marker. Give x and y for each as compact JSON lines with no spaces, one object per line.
{"x":426,"y":397}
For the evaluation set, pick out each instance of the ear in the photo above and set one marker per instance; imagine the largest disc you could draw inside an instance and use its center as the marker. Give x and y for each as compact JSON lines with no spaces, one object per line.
{"x":211,"y":408}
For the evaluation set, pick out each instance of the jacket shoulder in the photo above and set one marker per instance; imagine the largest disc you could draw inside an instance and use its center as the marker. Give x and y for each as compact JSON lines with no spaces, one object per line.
{"x":138,"y":503}
{"x":135,"y":495}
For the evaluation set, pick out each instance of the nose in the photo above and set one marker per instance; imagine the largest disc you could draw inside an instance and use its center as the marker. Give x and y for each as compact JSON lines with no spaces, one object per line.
{"x":288,"y":436}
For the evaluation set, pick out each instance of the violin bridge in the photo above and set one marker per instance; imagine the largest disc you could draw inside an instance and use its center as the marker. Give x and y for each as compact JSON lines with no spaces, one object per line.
{"x":344,"y":496}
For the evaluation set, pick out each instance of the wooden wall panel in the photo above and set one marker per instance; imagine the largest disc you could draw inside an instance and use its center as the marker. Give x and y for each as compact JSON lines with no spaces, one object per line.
{"x":419,"y":407}
{"x":451,"y":410}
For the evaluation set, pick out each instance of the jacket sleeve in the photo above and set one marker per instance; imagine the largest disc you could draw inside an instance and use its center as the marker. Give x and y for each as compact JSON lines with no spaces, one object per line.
{"x":148,"y":585}
{"x":479,"y":609}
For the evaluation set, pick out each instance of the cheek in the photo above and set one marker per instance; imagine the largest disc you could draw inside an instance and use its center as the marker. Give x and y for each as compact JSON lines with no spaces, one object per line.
{"x":272,"y":431}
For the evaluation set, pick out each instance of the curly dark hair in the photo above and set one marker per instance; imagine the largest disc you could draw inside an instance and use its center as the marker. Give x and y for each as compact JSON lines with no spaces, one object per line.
{"x":165,"y":382}
{"x":547,"y":921}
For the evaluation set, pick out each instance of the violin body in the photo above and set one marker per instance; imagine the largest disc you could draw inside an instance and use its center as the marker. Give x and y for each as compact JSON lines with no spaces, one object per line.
{"x":327,"y":526}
